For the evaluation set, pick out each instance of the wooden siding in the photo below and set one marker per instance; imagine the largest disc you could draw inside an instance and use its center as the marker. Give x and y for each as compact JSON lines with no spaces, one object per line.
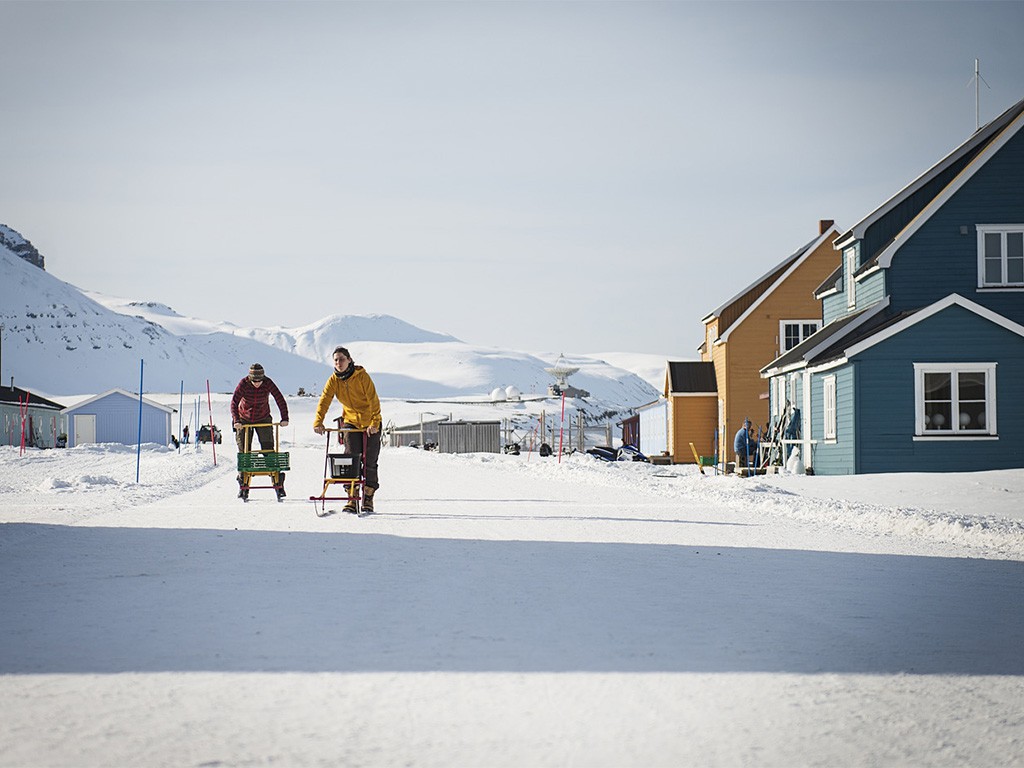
{"x":755,"y":343}
{"x":939,"y":260}
{"x":42,"y":425}
{"x":885,"y":397}
{"x":833,"y":307}
{"x":881,"y":233}
{"x":117,"y":421}
{"x":692,"y":420}
{"x":871,"y":289}
{"x":834,"y":458}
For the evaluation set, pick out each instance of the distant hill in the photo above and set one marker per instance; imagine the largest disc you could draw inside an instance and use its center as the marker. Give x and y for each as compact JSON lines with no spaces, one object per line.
{"x":59,"y":340}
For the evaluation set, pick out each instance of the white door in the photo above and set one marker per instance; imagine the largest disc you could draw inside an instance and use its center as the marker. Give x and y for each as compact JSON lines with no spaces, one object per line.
{"x":85,"y":429}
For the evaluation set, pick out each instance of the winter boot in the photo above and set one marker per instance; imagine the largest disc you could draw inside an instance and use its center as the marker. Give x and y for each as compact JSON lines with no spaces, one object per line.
{"x":352,"y":505}
{"x":280,"y":485}
{"x":368,"y":501}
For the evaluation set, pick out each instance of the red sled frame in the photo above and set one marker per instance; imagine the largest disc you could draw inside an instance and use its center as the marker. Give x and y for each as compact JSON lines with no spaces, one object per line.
{"x":352,"y":487}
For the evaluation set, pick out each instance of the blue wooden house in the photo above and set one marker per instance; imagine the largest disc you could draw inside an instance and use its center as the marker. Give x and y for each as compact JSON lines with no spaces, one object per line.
{"x":113,"y":417}
{"x":919,"y":364}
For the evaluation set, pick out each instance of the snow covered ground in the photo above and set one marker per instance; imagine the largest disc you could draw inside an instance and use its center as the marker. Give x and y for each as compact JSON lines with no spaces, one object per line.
{"x":505,"y":611}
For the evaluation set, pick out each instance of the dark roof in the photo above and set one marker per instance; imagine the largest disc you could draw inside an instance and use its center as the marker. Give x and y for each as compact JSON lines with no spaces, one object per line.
{"x":906,"y":204}
{"x":759,"y":286}
{"x":691,"y":377}
{"x":816,"y":347}
{"x":830,"y":283}
{"x":17,"y":394}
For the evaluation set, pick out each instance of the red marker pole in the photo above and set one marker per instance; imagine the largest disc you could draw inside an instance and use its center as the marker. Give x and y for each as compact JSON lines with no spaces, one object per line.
{"x":560,"y":425}
{"x":213,"y":437}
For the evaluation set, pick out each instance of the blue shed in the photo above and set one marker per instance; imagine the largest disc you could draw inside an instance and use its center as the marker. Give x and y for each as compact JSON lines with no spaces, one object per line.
{"x":113,"y":417}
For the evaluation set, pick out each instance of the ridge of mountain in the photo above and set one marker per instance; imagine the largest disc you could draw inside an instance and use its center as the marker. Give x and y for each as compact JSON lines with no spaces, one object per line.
{"x":59,"y":339}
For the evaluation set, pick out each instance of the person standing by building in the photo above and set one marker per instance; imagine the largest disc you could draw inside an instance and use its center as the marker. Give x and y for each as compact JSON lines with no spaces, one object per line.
{"x":250,"y":404}
{"x":352,"y":386}
{"x":745,"y":446}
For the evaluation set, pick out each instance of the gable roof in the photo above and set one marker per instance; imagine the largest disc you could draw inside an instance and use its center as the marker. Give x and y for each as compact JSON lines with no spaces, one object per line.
{"x":691,"y":378}
{"x":969,"y":156}
{"x":849,"y":338}
{"x":820,"y":345}
{"x":830,"y":284}
{"x":739,"y":307}
{"x":902,"y":322}
{"x":15,"y":394}
{"x":116,"y":391}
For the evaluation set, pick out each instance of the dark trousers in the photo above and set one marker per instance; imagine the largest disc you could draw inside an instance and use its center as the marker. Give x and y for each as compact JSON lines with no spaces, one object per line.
{"x":353,"y":442}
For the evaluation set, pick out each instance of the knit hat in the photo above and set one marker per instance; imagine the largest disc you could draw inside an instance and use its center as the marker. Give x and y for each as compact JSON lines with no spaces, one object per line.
{"x":256,"y":372}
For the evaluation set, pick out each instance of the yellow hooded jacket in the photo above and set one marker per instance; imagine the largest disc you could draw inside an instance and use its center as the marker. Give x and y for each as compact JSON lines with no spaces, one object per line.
{"x":358,"y":398}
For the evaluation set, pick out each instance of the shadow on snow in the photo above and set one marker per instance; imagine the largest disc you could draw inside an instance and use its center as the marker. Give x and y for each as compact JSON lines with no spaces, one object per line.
{"x":105,"y":600}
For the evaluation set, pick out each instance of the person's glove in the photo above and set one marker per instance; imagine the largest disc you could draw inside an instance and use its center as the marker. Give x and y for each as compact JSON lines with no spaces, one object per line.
{"x":284,"y":423}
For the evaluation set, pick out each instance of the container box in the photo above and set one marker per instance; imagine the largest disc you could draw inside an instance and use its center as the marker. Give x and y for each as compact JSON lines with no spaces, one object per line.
{"x":344,"y":466}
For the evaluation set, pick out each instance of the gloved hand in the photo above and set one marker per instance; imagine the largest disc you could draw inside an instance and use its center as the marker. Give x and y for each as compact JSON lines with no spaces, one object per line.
{"x":284,"y":423}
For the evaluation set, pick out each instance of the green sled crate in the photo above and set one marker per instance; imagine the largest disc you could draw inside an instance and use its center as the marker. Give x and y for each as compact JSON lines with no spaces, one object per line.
{"x":263,"y":462}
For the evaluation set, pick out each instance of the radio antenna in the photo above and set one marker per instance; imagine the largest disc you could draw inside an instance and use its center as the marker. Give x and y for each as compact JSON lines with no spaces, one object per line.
{"x":978,"y":80}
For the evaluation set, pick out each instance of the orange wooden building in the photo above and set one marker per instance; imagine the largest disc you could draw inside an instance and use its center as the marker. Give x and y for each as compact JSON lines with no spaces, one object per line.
{"x":768,"y":317}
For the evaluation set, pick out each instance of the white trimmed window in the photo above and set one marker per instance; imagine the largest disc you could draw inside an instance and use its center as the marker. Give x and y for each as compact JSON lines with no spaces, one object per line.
{"x":1001,"y":256}
{"x":954,"y":399}
{"x":792,"y":332}
{"x":828,"y":409}
{"x":850,"y":257}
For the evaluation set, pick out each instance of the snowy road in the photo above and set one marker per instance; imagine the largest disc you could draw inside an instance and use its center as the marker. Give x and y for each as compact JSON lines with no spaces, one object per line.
{"x":499,"y":611}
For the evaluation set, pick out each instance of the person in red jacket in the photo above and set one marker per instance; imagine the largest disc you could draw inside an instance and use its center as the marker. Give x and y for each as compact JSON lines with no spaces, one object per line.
{"x":251,"y":405}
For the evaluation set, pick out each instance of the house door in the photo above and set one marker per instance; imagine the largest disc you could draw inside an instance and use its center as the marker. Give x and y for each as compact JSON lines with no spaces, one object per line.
{"x":85,"y":429}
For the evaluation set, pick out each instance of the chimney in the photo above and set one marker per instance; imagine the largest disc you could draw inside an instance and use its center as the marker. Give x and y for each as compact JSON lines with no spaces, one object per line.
{"x":823,"y":225}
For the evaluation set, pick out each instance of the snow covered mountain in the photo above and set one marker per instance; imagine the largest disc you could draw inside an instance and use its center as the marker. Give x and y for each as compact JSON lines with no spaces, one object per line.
{"x":60,"y":340}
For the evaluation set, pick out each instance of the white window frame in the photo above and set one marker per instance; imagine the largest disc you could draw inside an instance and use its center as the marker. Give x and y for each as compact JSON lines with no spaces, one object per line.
{"x":850,"y":260}
{"x":955,"y":432}
{"x":801,"y":324}
{"x":828,"y":408}
{"x":1003,"y":230}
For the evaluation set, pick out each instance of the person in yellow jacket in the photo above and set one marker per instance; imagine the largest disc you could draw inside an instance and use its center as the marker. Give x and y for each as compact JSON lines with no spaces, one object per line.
{"x":354,"y":389}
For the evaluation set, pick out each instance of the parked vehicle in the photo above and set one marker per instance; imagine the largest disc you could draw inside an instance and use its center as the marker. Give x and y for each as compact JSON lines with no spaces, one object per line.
{"x":204,"y":434}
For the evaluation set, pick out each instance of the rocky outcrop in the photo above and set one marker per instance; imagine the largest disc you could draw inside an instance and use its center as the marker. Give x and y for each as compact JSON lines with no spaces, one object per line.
{"x":18,"y":245}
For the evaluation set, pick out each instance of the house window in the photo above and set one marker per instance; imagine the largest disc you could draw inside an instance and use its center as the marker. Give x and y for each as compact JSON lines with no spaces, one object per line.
{"x":828,"y":410}
{"x":1001,"y":256}
{"x":792,"y":332}
{"x":955,"y":399}
{"x":850,"y":256}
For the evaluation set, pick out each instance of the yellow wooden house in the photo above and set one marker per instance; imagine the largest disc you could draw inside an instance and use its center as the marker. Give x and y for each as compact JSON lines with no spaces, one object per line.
{"x":767,"y":318}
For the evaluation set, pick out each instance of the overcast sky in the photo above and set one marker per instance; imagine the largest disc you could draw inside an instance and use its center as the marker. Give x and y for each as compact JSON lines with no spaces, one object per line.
{"x":574,"y":176}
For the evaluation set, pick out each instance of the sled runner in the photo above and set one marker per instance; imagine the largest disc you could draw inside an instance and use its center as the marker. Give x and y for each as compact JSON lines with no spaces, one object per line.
{"x":344,"y":477}
{"x":271,"y":464}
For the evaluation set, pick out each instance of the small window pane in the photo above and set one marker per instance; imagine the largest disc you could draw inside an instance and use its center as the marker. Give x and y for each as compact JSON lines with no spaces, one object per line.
{"x":1014,"y":245}
{"x":937,"y":386}
{"x":1015,"y":270}
{"x":937,"y":416}
{"x":972,"y":416}
{"x":993,"y":245}
{"x":993,"y":270}
{"x":971,"y":386}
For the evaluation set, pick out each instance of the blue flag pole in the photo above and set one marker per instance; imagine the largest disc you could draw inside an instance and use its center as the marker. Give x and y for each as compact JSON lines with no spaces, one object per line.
{"x":181,"y":403}
{"x":138,"y":452}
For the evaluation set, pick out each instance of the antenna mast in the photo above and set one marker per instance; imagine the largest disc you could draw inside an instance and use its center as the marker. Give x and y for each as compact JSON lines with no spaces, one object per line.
{"x":978,"y":80}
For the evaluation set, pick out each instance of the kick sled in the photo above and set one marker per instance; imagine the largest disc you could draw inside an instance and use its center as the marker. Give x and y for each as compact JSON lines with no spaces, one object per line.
{"x":268,"y":463}
{"x":344,"y":476}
